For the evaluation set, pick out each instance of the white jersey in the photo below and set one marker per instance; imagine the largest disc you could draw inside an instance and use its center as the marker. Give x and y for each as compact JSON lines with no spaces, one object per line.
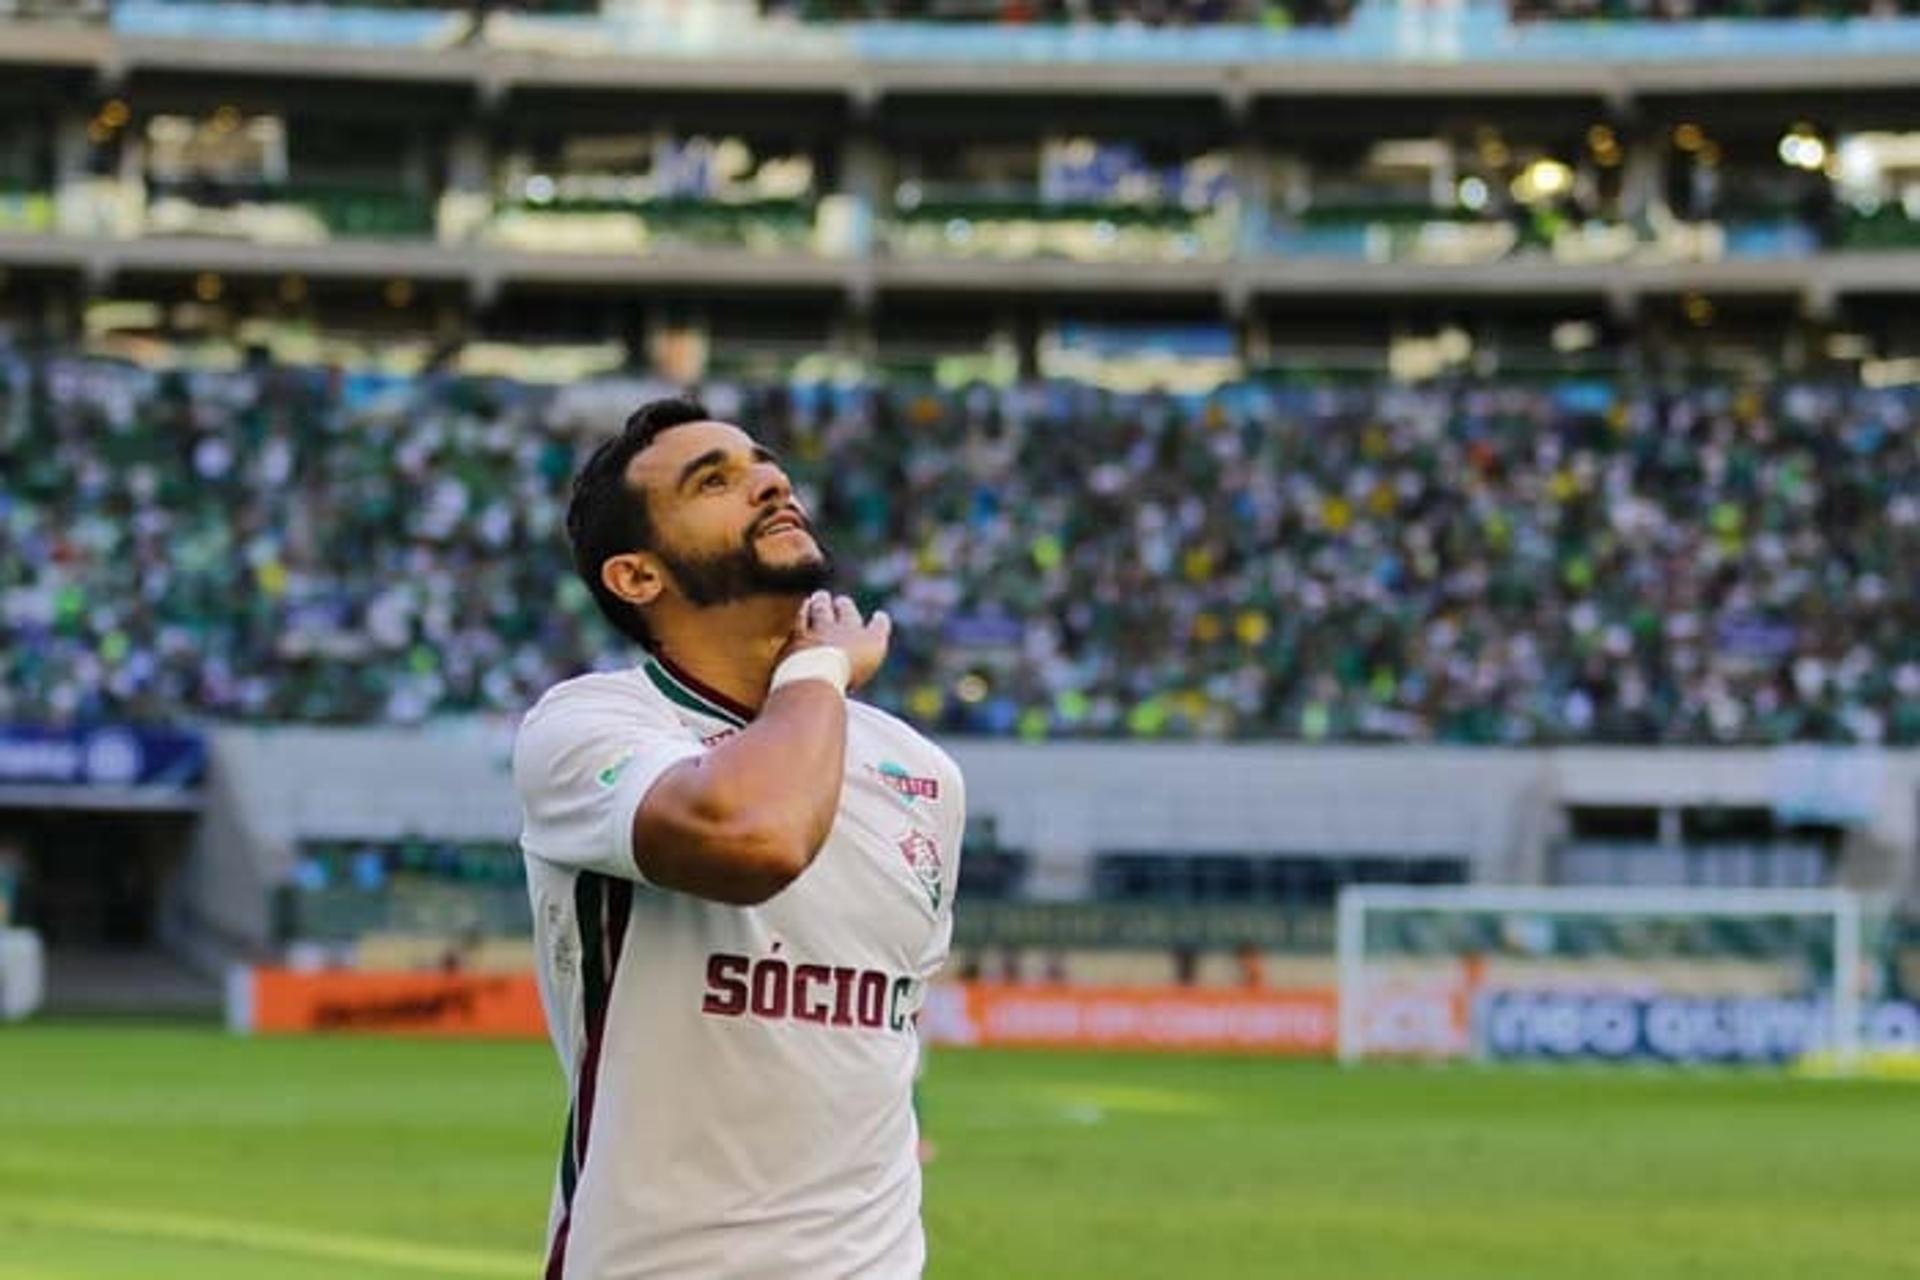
{"x":741,"y":1076}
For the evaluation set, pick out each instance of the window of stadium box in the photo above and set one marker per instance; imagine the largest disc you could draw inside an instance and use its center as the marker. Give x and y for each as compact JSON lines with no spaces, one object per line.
{"x":1476,"y":191}
{"x":266,"y":177}
{"x":1693,"y":847}
{"x":26,"y":177}
{"x":1877,"y":178}
{"x":1073,"y":197}
{"x":1754,"y":183}
{"x":1289,"y":880}
{"x":990,"y":870}
{"x":652,"y":188}
{"x":1467,"y":192}
{"x":86,"y":199}
{"x":1791,"y":186}
{"x":343,"y":889}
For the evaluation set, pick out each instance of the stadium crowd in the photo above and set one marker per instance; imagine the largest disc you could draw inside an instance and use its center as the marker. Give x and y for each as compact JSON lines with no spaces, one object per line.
{"x":1135,"y":13}
{"x":1704,"y":10}
{"x":1472,"y":562}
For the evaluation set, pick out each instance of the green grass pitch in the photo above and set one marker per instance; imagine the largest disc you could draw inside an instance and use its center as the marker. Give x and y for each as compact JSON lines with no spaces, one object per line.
{"x":135,"y":1153}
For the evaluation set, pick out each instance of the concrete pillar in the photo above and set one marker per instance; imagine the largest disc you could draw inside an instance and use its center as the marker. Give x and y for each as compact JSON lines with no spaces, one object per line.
{"x":467,"y":202}
{"x":867,"y":190}
{"x":1253,"y":182}
{"x":1670,"y":827}
{"x":71,"y":149}
{"x":1640,"y":187}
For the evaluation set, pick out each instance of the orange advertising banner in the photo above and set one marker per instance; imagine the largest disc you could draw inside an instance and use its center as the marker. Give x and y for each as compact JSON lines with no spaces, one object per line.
{"x":1301,"y":1022}
{"x":280,"y":1001}
{"x":1286,"y":1022}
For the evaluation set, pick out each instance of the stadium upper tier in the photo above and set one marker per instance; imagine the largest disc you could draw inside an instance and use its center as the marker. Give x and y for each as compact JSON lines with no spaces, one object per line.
{"x":862,"y":47}
{"x":1229,"y":165}
{"x":1477,"y":562}
{"x":388,"y":17}
{"x":1680,"y":11}
{"x":1475,"y":203}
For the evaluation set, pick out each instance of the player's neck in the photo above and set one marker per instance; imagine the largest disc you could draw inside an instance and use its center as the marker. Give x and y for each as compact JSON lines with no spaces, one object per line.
{"x":730,"y":648}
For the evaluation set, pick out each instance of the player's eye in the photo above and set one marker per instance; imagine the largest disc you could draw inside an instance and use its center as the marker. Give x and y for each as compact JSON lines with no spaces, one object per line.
{"x":713,"y":481}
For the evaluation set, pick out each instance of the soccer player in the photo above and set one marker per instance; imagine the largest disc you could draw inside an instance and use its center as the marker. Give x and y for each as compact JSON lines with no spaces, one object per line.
{"x":742,"y":881}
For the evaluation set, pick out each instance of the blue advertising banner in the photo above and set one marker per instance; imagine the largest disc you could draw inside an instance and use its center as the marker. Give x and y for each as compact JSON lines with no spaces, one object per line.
{"x":101,"y":756}
{"x":1569,"y":1025}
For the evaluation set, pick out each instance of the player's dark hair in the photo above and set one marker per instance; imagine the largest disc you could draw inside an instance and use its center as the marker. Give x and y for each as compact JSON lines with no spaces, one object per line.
{"x":607,"y":517}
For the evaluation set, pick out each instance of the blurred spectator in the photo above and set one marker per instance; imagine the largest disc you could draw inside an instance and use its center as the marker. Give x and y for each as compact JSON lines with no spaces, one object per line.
{"x":1696,"y":10}
{"x":1468,"y":563}
{"x":1186,"y":966}
{"x":1250,"y":966}
{"x":1148,"y":13}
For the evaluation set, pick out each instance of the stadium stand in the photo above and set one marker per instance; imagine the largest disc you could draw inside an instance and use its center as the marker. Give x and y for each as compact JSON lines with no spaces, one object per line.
{"x":1473,"y":562}
{"x":1149,"y":13}
{"x":1706,"y":10}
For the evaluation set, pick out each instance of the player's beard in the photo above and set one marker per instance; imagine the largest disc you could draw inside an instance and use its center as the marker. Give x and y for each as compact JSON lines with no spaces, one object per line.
{"x":739,"y":573}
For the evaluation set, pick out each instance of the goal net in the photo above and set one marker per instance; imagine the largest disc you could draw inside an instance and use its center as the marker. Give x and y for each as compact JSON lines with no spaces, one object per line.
{"x":1683,"y":976}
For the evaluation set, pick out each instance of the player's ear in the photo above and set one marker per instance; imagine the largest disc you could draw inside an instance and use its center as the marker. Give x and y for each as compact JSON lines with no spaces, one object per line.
{"x":634,"y":576}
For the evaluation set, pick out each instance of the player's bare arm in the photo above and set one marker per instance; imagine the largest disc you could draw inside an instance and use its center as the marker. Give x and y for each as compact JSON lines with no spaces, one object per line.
{"x":740,"y":823}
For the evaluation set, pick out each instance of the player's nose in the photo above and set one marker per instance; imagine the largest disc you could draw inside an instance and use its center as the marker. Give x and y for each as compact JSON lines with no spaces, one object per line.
{"x":770,"y":485}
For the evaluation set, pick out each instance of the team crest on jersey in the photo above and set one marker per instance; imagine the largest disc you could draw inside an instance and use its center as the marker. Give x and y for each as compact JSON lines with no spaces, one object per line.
{"x":923,"y":859}
{"x":906,"y":785}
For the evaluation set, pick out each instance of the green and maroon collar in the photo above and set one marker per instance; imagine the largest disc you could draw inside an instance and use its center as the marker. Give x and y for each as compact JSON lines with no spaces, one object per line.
{"x":686,"y":691}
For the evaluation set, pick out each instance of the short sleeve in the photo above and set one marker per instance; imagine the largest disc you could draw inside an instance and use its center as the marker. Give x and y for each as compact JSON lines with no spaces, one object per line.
{"x":583,"y":762}
{"x":953,"y":833}
{"x":956,"y":816}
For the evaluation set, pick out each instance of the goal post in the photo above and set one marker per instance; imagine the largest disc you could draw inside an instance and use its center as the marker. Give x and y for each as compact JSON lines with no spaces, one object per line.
{"x":1708,"y":975}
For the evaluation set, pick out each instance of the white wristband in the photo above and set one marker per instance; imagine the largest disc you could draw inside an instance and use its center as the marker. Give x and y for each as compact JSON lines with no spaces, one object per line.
{"x":823,"y":662}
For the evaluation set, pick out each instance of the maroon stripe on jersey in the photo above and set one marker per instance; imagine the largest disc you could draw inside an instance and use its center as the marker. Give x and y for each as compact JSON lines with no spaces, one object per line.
{"x":706,"y":691}
{"x":616,"y":903}
{"x":609,"y":903}
{"x":557,"y":1255}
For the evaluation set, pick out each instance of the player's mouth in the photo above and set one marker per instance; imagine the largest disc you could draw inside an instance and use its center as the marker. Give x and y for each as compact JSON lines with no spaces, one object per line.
{"x":785,"y":522}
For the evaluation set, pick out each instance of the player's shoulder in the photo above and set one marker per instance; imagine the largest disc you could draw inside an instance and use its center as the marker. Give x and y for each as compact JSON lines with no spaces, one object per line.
{"x":906,"y":745}
{"x":585,"y":715}
{"x":596,"y":689}
{"x":884,"y":724}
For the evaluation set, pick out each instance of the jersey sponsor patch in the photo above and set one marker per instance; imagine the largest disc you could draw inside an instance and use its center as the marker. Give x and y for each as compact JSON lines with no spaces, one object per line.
{"x":908,"y":786}
{"x":611,"y":774}
{"x":774,"y":989}
{"x":923,"y":859}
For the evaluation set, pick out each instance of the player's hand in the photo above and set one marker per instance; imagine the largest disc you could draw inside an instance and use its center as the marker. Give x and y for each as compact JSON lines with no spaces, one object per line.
{"x":834,"y":620}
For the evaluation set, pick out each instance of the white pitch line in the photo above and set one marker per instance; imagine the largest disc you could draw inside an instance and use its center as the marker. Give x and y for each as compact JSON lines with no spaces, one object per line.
{"x":402,"y":1255}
